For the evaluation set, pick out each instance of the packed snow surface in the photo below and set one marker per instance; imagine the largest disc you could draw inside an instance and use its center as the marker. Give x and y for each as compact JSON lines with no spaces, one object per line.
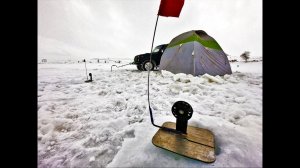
{"x":106,"y":123}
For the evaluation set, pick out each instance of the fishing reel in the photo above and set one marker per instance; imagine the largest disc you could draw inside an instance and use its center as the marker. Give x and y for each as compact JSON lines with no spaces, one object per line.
{"x":91,"y":79}
{"x":182,"y":111}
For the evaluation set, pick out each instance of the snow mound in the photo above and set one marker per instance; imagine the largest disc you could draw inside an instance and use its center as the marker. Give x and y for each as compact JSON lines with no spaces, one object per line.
{"x":216,"y":79}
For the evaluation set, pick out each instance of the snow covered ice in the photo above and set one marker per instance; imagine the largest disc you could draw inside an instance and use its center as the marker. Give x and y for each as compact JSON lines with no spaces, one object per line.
{"x":106,"y":123}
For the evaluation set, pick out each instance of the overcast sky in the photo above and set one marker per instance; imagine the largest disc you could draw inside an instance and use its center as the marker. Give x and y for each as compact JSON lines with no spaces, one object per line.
{"x":75,"y":29}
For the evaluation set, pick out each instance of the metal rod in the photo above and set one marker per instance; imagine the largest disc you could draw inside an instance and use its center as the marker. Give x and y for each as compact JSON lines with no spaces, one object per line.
{"x":120,"y":66}
{"x":150,"y":110}
{"x":87,"y":78}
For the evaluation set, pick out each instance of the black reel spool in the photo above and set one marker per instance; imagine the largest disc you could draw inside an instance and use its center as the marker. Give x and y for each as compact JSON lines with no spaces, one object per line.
{"x":91,"y":79}
{"x":90,"y":74}
{"x":183,"y":111}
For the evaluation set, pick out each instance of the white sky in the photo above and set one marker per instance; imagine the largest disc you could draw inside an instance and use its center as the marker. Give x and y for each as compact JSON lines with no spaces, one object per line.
{"x":124,"y":28}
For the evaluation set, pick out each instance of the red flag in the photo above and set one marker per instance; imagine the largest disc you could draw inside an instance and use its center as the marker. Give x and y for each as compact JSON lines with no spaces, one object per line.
{"x":170,"y":8}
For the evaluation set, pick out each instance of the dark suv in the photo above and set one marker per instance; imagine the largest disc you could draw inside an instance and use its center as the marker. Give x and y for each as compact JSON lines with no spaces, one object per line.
{"x":143,"y":61}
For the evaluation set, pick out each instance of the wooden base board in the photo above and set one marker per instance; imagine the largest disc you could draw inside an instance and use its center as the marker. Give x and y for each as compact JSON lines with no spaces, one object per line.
{"x":197,"y":144}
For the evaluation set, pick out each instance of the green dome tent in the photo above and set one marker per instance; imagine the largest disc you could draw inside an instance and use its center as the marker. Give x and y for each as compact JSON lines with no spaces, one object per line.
{"x":195,"y":52}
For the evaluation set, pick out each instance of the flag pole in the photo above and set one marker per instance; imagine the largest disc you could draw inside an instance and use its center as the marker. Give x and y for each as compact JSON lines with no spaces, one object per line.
{"x":86,"y":70}
{"x":166,"y":8}
{"x":150,"y":110}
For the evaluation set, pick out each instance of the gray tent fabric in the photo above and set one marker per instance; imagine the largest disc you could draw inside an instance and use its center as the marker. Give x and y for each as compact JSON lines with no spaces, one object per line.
{"x":195,"y":53}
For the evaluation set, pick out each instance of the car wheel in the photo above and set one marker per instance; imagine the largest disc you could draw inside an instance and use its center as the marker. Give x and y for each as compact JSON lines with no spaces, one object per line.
{"x":148,"y":65}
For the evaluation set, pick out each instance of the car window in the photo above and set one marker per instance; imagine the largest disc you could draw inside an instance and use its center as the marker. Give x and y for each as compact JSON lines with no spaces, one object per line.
{"x":156,"y":50}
